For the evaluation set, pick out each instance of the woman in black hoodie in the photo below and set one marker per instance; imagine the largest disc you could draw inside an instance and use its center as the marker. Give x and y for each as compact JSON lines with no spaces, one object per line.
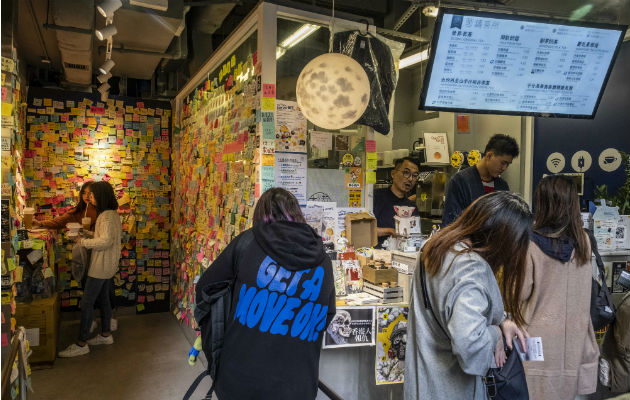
{"x":283,"y":300}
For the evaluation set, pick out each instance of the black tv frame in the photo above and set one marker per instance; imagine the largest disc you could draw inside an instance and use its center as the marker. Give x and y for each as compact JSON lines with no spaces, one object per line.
{"x":515,"y":17}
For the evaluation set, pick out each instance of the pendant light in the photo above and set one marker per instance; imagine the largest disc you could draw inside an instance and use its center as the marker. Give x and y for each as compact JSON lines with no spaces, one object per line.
{"x":102,"y":78}
{"x":107,"y":8}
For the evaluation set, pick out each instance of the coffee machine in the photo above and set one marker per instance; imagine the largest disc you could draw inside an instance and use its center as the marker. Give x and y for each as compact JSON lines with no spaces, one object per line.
{"x":430,"y":193}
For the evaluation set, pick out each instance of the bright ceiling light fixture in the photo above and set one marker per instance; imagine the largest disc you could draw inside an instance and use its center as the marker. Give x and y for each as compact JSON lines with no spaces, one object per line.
{"x":106,"y":67}
{"x":107,"y":8}
{"x":106,"y":32}
{"x":430,"y":11}
{"x":102,"y":78}
{"x":302,"y":33}
{"x":104,"y":88}
{"x":413,"y":59}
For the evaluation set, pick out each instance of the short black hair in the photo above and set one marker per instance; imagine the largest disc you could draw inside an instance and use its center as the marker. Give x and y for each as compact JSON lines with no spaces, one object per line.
{"x":104,"y":195}
{"x":398,"y":162}
{"x":501,"y":144}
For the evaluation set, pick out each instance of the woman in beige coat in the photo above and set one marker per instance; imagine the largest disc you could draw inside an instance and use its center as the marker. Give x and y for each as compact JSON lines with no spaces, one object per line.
{"x":556,"y":296}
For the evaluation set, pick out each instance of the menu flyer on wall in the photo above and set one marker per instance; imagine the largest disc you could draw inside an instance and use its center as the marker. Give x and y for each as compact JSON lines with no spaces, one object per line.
{"x":290,"y":173}
{"x":290,"y":127}
{"x":350,"y":327}
{"x":520,"y":65}
{"x":391,"y":344}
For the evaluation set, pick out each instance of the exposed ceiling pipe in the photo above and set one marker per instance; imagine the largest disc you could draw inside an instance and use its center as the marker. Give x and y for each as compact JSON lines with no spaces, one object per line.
{"x":39,"y":31}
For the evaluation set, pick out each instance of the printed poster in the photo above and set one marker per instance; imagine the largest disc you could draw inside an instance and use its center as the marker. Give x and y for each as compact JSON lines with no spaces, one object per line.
{"x":436,"y":148}
{"x":327,"y":224}
{"x":391,"y":344}
{"x":290,"y":127}
{"x":354,"y":198}
{"x":290,"y":174}
{"x":351,"y":327}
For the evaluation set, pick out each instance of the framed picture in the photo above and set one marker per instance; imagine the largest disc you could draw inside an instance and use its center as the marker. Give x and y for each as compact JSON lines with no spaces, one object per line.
{"x":351,"y":326}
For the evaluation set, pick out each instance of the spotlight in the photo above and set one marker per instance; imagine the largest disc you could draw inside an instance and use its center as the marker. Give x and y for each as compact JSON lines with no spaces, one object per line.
{"x":102,"y":78}
{"x":107,"y":8}
{"x":106,"y":67}
{"x":106,"y":33}
{"x":104,"y":88}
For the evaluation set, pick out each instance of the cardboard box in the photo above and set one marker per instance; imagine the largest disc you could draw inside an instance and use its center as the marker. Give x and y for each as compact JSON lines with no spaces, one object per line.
{"x":378,"y":276}
{"x":361,"y":230}
{"x":405,"y":262}
{"x":406,"y":226}
{"x":41,"y":320}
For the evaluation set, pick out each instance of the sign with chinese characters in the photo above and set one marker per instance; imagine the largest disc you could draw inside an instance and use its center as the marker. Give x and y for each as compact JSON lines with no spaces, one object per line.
{"x":351,"y":326}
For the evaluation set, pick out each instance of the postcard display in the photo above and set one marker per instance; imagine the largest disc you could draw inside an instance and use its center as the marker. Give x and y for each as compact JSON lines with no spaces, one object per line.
{"x":73,"y":138}
{"x":13,"y":198}
{"x":215,"y":174}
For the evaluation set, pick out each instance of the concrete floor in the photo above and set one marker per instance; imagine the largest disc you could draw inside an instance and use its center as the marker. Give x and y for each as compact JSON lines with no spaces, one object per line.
{"x":147,"y":361}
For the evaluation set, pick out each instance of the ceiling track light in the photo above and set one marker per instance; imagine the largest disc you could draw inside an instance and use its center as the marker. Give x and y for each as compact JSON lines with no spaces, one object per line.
{"x":106,"y":32}
{"x":413,"y":59}
{"x":302,"y":33}
{"x":107,"y":8}
{"x":104,"y":88}
{"x":102,"y":78}
{"x":106,"y":67}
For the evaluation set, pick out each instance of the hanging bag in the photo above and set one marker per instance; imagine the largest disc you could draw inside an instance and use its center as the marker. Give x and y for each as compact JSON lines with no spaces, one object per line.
{"x":602,"y":306}
{"x":506,"y":383}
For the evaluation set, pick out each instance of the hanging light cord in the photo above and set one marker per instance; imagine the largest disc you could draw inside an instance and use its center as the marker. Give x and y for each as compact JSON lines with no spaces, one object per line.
{"x":332,"y":28}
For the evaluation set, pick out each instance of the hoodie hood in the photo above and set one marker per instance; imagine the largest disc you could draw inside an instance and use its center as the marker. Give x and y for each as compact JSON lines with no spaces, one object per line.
{"x":559,"y":248}
{"x":294,"y":245}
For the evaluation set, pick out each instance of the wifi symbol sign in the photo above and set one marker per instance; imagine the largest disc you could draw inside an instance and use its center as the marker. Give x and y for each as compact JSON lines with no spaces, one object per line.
{"x":555,"y":162}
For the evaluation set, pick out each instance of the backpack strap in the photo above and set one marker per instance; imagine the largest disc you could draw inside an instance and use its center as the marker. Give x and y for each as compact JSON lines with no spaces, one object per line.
{"x":425,"y":296}
{"x":196,"y":382}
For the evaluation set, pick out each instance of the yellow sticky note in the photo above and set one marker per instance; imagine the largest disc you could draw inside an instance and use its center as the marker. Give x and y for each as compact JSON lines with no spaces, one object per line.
{"x":74,"y":302}
{"x":118,"y":292}
{"x":370,"y":177}
{"x":47,"y":102}
{"x":268,"y":104}
{"x":140,"y":307}
{"x":268,"y":160}
{"x":371,"y":161}
{"x":74,"y":283}
{"x":7,"y":109}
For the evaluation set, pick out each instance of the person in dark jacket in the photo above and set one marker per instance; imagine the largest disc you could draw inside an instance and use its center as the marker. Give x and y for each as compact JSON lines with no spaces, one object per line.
{"x":471,"y":183}
{"x":283,"y":300}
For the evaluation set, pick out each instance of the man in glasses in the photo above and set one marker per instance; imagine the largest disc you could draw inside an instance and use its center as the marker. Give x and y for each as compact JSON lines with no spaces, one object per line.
{"x":404,"y":176}
{"x":471,"y":183}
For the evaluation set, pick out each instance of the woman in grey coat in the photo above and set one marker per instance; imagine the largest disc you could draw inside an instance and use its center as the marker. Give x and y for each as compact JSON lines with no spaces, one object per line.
{"x":450,"y":347}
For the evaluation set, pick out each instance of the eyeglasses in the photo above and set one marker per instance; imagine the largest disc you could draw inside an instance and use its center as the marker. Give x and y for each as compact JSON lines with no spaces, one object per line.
{"x":407,"y":174}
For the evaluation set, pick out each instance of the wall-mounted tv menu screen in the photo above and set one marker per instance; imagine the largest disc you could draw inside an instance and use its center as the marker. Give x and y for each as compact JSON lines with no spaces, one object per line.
{"x":511,"y":64}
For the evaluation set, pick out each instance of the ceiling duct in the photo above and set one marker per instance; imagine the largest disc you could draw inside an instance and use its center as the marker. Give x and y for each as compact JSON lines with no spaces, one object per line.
{"x":75,"y":48}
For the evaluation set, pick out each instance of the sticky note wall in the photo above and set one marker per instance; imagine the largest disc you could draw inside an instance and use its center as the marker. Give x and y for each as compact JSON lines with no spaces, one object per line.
{"x":72,"y":138}
{"x":214,"y":176}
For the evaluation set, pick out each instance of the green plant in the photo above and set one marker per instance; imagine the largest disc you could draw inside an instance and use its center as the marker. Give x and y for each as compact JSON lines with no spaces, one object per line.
{"x":620,"y":199}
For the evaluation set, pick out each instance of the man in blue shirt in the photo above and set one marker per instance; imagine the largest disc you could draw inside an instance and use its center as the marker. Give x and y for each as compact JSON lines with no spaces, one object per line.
{"x":404,"y":176}
{"x":471,"y":183}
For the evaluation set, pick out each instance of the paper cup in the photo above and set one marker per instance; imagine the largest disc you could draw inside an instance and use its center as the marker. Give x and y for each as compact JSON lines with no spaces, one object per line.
{"x":73,"y":227}
{"x":28,"y":217}
{"x":86,"y":222}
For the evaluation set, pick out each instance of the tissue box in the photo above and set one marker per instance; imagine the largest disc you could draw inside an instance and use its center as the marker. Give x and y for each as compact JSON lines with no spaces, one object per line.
{"x":406,"y":226}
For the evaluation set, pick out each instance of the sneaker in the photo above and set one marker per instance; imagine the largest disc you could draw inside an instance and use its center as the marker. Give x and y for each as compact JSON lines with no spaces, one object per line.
{"x":74,"y":350}
{"x":113,"y":324}
{"x":93,"y":327}
{"x":100,"y":339}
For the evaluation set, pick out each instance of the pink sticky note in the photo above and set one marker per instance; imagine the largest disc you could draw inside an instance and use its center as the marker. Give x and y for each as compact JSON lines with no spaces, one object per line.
{"x":200,"y":256}
{"x":4,"y":98}
{"x":269,"y":90}
{"x":370,"y":146}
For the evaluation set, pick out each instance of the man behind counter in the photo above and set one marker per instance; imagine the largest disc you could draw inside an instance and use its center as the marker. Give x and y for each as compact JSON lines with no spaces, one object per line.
{"x":471,"y":183}
{"x":404,"y":176}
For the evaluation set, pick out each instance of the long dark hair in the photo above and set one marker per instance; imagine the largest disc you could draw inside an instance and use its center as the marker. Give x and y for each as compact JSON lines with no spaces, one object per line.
{"x":277,"y":204}
{"x":497,"y":226}
{"x":82,"y":205}
{"x":558,"y":211}
{"x":104,"y":195}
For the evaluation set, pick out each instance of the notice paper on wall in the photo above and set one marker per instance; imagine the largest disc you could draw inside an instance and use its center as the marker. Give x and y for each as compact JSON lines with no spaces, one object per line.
{"x":290,"y":173}
{"x":290,"y":127}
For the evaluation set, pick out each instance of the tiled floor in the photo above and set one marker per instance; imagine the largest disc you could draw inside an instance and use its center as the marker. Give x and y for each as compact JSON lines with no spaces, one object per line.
{"x":147,"y":361}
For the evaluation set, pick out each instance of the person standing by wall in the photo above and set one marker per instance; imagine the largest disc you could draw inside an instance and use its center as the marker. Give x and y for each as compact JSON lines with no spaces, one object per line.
{"x":471,"y":183}
{"x":282,"y":302}
{"x":82,"y":210}
{"x":453,"y":344}
{"x":558,"y":275}
{"x":105,"y":248}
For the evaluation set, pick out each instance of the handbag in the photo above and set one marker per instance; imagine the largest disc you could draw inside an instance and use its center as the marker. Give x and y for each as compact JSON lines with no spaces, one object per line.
{"x":602,"y":306}
{"x":507,"y":382}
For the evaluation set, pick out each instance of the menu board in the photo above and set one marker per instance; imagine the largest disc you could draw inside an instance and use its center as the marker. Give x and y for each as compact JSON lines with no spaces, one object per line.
{"x":508,"y":64}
